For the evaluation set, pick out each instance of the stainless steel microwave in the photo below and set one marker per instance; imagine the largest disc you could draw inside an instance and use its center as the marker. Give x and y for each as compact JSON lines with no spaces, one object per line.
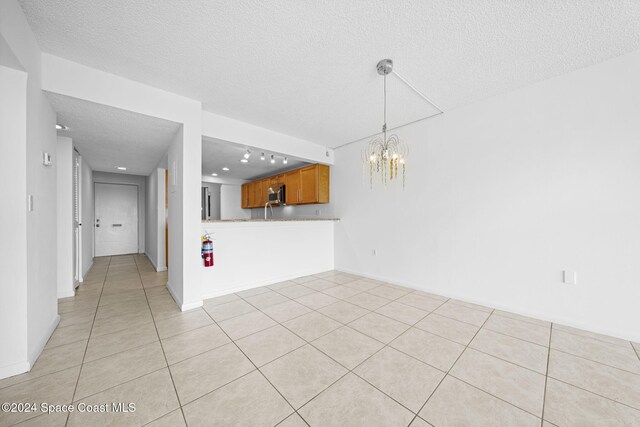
{"x":276,"y":195}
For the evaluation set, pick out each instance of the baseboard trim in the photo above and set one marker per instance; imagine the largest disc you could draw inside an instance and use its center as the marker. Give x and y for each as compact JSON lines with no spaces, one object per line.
{"x":178,"y":301}
{"x":536,"y":314}
{"x":14,"y":369}
{"x":172,"y":292}
{"x":191,"y":306}
{"x":267,"y":282}
{"x":84,"y":273}
{"x":37,"y":351}
{"x":155,"y":267}
{"x":66,"y":294}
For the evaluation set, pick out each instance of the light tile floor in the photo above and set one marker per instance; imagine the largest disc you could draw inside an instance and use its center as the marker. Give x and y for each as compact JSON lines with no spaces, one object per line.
{"x":330,"y":349}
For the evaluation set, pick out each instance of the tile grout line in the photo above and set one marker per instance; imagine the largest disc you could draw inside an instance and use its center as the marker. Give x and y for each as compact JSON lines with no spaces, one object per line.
{"x":387,"y":345}
{"x":175,"y":390}
{"x":341,"y":325}
{"x":310,"y":343}
{"x":43,"y":376}
{"x":494,"y":396}
{"x":546,"y":376}
{"x":595,"y":361}
{"x":124,"y":382}
{"x":347,"y":369}
{"x":306,"y":343}
{"x":312,"y":310}
{"x":351,"y":371}
{"x":412,"y":326}
{"x":75,"y":390}
{"x":245,"y":299}
{"x":511,"y":336}
{"x":635,"y":349}
{"x":451,"y":367}
{"x":521,"y":318}
{"x":561,"y":330}
{"x":589,"y":337}
{"x":595,"y":394}
{"x":384,"y":345}
{"x":428,"y":313}
{"x":347,"y":324}
{"x":256,"y":368}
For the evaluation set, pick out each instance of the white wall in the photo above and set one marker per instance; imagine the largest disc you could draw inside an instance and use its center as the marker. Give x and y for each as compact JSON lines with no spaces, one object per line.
{"x":87,"y":216}
{"x":41,"y":316}
{"x":13,"y":222}
{"x":504,"y":194}
{"x":140,"y":181}
{"x":155,"y":221}
{"x":227,"y":129}
{"x":184,"y":217}
{"x":231,"y":202}
{"x":65,"y":223}
{"x":252,"y":254}
{"x":220,"y":180}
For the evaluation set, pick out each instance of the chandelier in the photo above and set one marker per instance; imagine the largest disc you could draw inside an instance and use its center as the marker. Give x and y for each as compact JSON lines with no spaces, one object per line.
{"x":385,"y":156}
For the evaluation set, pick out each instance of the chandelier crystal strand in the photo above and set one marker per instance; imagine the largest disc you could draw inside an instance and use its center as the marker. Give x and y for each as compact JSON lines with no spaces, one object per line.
{"x":385,"y":155}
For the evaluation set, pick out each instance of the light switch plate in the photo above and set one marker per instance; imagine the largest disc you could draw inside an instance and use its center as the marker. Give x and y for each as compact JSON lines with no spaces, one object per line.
{"x":46,"y":159}
{"x":30,"y":203}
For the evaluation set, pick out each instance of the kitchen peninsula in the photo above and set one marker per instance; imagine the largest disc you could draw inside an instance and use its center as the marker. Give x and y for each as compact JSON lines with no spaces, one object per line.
{"x":249,"y":253}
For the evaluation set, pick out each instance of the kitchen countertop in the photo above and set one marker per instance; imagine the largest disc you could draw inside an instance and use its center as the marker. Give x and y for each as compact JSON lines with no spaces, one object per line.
{"x":269,"y":220}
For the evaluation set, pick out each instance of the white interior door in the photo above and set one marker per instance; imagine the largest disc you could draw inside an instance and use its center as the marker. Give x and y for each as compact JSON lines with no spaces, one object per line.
{"x":116,"y":221}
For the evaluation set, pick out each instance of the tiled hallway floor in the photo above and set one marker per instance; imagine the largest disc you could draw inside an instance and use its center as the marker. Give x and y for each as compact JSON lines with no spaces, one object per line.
{"x":325,"y":350}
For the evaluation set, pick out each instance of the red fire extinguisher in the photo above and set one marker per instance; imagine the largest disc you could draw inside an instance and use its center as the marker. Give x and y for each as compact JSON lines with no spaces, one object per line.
{"x":207,"y":250}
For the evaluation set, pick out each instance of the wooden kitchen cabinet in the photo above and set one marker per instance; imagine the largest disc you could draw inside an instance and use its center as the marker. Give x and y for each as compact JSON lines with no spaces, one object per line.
{"x":309,"y":185}
{"x":252,"y":194}
{"x":306,"y":185}
{"x":258,"y":196}
{"x":292,"y":187}
{"x":244,"y":201}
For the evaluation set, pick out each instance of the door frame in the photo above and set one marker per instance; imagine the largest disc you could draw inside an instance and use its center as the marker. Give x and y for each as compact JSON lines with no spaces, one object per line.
{"x":166,"y":217}
{"x":77,"y":226}
{"x":137,"y":207}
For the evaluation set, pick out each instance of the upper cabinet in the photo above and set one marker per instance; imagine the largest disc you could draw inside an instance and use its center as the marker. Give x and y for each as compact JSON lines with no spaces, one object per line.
{"x":306,"y":185}
{"x":311,"y":184}
{"x":245,"y":196}
{"x":292,"y":185}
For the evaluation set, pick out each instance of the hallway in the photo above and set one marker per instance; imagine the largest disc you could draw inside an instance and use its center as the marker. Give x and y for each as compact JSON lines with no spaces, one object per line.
{"x":106,"y":338}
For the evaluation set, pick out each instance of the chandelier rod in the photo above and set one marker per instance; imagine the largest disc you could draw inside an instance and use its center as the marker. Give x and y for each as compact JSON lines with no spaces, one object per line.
{"x":412,"y":87}
{"x":384,"y":125}
{"x":335,"y":147}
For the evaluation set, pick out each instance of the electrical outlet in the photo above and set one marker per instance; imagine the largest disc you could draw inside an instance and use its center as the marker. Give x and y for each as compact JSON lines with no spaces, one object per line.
{"x":570,"y":277}
{"x":318,"y":212}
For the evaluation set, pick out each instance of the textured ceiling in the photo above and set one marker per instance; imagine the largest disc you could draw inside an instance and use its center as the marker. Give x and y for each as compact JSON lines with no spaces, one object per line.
{"x":108,"y":137}
{"x":217,"y":154}
{"x":307,"y":68}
